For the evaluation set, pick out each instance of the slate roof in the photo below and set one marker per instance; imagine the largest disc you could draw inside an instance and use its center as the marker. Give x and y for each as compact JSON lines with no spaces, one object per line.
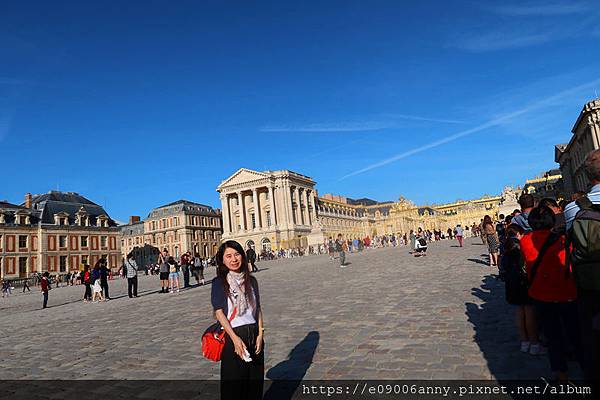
{"x":55,"y":202}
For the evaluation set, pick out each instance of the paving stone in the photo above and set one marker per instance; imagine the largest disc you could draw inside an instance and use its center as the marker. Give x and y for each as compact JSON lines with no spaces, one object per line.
{"x":387,"y":315}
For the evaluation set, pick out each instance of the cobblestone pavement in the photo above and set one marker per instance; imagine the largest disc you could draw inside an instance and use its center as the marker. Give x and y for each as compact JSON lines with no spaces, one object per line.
{"x":387,"y":315}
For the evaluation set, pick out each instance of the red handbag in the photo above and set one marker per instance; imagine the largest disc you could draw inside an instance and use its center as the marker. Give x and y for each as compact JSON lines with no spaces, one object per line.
{"x":213,"y":340}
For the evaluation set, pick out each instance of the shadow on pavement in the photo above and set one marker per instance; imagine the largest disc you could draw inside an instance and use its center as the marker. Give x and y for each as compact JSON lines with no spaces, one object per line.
{"x":496,"y":336}
{"x":478,"y":261}
{"x":287,"y":375}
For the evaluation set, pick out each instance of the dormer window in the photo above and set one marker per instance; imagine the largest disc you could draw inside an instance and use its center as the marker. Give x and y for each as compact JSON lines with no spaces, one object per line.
{"x":61,"y":218}
{"x":102,"y":221}
{"x":21,"y":218}
{"x":2,"y":219}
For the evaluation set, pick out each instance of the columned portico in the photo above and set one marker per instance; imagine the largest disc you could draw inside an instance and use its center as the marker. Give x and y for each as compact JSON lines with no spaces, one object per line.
{"x":281,"y":209}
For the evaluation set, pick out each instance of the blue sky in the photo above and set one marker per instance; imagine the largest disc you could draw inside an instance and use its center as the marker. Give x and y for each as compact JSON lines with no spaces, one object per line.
{"x":137,"y":104}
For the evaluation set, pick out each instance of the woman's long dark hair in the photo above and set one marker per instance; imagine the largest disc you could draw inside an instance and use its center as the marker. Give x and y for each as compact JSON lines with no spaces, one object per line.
{"x":222,"y":270}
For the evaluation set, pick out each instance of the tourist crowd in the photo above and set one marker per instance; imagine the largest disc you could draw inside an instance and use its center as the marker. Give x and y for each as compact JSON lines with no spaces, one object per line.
{"x":548,"y":255}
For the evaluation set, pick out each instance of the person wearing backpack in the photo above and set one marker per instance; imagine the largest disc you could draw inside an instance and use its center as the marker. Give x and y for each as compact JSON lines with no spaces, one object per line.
{"x":516,"y":290}
{"x":582,"y":218}
{"x":552,"y":288}
{"x":131,"y":271}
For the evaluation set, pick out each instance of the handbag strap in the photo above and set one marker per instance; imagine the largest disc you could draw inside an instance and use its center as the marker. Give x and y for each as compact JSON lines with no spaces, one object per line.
{"x":233,"y":314}
{"x":550,"y":240}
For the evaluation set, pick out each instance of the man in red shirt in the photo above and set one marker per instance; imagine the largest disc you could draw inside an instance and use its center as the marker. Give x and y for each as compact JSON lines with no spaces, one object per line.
{"x":45,"y":286}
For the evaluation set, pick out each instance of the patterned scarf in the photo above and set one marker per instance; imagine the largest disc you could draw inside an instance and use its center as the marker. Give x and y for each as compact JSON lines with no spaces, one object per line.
{"x":236,"y":285}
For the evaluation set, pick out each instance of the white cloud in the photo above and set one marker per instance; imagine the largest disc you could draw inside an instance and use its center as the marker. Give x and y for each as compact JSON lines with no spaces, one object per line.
{"x":388,"y":121}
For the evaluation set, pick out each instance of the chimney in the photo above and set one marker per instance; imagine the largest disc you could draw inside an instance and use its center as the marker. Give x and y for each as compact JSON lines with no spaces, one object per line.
{"x":133,"y":219}
{"x":27,"y":200}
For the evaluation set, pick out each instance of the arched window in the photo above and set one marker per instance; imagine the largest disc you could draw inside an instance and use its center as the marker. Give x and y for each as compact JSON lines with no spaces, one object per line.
{"x":266,"y":244}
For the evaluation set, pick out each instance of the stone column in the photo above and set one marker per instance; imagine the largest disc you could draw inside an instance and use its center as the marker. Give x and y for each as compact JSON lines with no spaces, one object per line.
{"x":272,"y":203}
{"x":298,"y":211}
{"x":288,"y":200}
{"x":225,"y":204}
{"x":314,"y":208}
{"x":257,"y":215}
{"x":592,"y":124}
{"x":305,"y":211}
{"x":242,"y":211}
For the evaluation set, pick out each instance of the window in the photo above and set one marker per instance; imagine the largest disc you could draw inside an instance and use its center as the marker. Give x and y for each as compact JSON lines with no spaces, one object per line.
{"x":84,"y":260}
{"x":22,"y":267}
{"x":253,"y":220}
{"x":153,"y":225}
{"x":175,"y":221}
{"x":63,"y":263}
{"x":0,"y":242}
{"x":84,"y":241}
{"x":62,"y":241}
{"x":268,"y":218}
{"x":104,"y":241}
{"x":266,"y":244}
{"x":22,"y":241}
{"x":266,"y":195}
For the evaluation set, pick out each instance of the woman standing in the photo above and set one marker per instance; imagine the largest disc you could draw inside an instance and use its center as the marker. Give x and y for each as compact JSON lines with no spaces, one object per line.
{"x":199,"y":269}
{"x":236,"y":301}
{"x":489,"y":232}
{"x":552,"y":287}
{"x":164,"y":271}
{"x":173,"y":274}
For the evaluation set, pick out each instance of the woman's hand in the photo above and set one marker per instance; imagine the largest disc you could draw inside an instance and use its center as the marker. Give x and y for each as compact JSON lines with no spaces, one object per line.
{"x":259,"y":343}
{"x":239,"y":346}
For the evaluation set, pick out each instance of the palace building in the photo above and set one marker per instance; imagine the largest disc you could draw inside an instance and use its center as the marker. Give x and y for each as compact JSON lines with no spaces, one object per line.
{"x":55,"y":232}
{"x":270,"y":210}
{"x":571,"y":156}
{"x":179,"y":227}
{"x":282,"y":209}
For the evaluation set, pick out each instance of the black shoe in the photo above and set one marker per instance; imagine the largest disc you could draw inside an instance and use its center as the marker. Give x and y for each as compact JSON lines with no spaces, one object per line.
{"x":131,"y":297}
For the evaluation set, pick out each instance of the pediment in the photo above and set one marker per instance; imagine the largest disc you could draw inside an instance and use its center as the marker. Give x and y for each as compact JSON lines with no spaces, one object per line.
{"x":243,"y":175}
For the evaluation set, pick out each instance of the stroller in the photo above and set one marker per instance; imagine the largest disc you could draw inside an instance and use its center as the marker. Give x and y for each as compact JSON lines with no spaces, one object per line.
{"x":420,"y":247}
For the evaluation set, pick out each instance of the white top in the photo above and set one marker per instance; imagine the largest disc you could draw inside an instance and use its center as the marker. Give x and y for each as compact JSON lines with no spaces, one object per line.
{"x":243,"y":319}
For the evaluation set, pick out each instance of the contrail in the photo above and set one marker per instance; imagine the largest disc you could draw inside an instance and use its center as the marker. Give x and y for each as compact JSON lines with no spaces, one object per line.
{"x":488,"y":124}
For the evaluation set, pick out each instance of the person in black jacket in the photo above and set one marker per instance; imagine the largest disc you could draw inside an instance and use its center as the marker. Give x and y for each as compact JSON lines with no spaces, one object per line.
{"x":104,"y":277}
{"x":251,"y":255}
{"x":516,"y":290}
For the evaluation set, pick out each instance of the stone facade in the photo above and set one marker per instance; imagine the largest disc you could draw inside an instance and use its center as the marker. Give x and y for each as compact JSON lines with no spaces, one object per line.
{"x":55,"y":232}
{"x":269,"y":210}
{"x":281,"y":209}
{"x":571,"y":156}
{"x":179,"y":227}
{"x":550,"y":184}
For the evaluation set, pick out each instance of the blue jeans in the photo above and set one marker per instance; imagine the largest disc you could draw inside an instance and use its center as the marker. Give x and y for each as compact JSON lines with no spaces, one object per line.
{"x":45,"y":294}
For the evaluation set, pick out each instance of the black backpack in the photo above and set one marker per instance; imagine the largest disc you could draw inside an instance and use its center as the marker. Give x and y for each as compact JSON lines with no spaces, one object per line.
{"x":584,"y":236}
